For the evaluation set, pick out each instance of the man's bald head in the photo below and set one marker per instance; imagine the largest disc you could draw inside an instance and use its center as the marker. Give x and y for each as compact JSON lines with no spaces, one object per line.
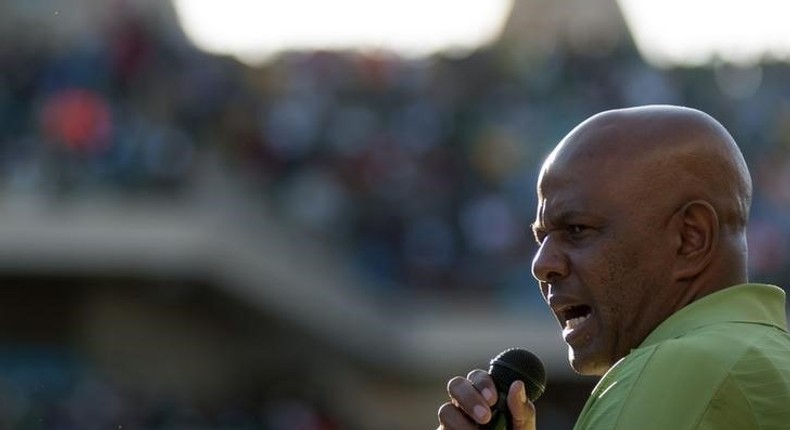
{"x":670,"y":153}
{"x":641,"y":211}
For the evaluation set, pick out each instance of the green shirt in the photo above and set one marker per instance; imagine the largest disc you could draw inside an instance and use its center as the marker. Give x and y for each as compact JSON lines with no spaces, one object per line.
{"x":722,"y":362}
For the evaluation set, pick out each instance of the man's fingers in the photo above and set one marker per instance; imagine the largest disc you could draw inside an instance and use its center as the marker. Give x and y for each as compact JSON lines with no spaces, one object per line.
{"x":521,"y":409}
{"x":451,"y":418}
{"x":466,"y":396}
{"x":484,"y":384}
{"x":472,"y":398}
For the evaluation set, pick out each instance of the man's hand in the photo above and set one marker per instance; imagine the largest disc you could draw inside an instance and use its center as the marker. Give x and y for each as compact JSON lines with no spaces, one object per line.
{"x":471,"y":399}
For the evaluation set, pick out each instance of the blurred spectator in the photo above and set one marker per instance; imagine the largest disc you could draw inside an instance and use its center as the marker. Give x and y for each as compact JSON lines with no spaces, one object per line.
{"x":78,"y":119}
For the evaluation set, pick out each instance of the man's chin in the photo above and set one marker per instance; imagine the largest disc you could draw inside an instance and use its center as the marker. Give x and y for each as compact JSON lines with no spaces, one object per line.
{"x":586,"y":365}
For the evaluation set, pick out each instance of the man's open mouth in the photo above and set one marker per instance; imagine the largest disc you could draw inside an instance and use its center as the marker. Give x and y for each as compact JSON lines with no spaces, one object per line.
{"x":575,"y":315}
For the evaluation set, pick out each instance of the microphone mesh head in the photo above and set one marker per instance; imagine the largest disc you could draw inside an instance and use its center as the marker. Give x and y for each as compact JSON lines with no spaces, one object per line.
{"x":518,"y":364}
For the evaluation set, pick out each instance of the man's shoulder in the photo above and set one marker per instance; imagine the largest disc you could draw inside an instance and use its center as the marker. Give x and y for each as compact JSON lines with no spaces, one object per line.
{"x":741,"y":370}
{"x":709,"y":355}
{"x":725,"y":373}
{"x":724,"y":341}
{"x":652,"y":383}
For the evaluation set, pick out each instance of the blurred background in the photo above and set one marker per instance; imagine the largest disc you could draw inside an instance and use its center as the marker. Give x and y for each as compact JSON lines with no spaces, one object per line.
{"x":310,"y":215}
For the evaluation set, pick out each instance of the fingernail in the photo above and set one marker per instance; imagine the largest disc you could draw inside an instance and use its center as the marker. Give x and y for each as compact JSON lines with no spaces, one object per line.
{"x":488,"y":394}
{"x":480,"y":412}
{"x":523,"y":394}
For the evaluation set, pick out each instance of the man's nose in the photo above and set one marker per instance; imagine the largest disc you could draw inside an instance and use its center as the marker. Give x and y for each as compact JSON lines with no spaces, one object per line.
{"x":549,"y":264}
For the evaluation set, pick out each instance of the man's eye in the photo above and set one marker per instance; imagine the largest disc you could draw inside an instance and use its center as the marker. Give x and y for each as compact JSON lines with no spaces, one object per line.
{"x":576,"y":229}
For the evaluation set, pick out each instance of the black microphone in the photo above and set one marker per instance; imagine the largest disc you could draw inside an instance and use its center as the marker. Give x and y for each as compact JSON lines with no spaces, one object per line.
{"x":514,"y":364}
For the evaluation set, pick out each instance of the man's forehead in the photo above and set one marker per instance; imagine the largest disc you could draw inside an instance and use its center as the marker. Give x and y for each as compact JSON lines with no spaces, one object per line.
{"x":592,"y":171}
{"x":591,"y":186}
{"x":568,"y":199}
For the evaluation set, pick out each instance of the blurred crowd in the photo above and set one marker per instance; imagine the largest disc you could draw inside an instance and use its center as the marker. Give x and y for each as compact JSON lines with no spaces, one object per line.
{"x":422,"y":169}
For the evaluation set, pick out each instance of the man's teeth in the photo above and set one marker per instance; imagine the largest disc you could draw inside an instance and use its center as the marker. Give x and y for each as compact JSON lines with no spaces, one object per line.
{"x":575,"y":322}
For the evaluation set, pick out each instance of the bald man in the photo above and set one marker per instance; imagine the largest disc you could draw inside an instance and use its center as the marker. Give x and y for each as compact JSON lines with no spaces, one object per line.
{"x":641,"y":226}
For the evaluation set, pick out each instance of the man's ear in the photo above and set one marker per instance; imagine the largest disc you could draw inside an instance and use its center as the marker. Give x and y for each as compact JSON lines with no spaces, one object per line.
{"x":698,"y":231}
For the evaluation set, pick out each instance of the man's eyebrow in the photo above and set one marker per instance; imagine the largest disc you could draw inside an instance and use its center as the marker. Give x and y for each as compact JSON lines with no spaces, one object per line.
{"x":564,"y":216}
{"x":561,"y":218}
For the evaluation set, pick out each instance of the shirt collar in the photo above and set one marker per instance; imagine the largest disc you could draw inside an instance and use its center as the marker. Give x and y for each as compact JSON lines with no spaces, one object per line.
{"x":749,"y":303}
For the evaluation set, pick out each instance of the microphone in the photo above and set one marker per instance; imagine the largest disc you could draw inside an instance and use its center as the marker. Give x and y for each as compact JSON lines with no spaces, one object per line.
{"x":513,"y":364}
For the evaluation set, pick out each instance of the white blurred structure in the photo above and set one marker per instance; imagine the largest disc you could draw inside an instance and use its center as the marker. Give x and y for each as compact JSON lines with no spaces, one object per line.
{"x":255,"y":31}
{"x":696,"y":32}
